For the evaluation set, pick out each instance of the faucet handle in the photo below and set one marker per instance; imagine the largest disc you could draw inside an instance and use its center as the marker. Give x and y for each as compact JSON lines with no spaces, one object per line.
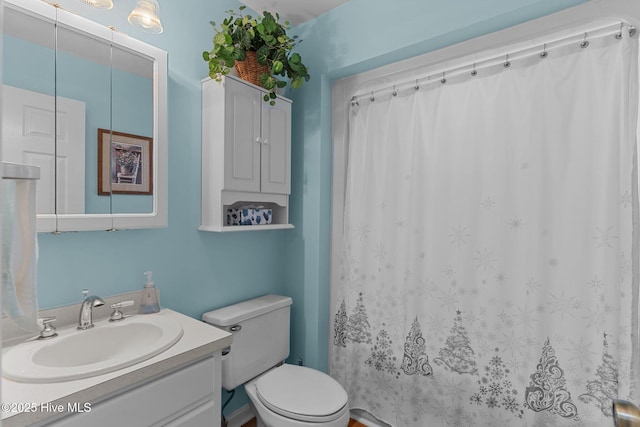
{"x":85,"y":293}
{"x":117,"y":314}
{"x":48,"y":330}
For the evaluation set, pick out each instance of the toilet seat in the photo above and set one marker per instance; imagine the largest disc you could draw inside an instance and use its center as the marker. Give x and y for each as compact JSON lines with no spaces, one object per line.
{"x":302,"y":394}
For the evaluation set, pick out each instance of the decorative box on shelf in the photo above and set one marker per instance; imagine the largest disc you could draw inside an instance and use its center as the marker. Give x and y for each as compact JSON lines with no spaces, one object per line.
{"x":249,"y":215}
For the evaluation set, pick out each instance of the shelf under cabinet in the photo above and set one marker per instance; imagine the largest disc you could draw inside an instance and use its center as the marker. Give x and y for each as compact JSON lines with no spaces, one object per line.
{"x":234,"y":228}
{"x":214,"y":210}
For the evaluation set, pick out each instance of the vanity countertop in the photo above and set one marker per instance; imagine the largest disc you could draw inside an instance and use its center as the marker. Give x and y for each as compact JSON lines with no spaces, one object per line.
{"x":198,"y":341}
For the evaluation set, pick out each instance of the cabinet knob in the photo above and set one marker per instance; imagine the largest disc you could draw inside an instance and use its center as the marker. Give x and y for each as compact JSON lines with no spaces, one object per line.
{"x":258,"y":140}
{"x":266,"y":141}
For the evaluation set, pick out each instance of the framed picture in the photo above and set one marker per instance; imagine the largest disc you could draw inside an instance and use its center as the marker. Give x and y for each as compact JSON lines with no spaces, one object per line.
{"x":125,"y":163}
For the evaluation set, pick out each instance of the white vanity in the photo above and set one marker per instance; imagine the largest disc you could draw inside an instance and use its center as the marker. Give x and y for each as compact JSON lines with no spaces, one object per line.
{"x":180,"y":386}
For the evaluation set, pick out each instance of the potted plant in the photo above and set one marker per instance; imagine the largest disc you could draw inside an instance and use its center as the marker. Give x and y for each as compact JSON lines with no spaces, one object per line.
{"x":259,"y":48}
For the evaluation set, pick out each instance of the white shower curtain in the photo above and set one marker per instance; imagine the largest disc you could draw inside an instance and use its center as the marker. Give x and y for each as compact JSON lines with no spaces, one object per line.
{"x":488,"y":272}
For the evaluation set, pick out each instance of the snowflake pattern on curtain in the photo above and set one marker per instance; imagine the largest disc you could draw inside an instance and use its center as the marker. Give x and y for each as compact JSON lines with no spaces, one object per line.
{"x":546,"y":393}
{"x":382,"y":358}
{"x":496,"y":389}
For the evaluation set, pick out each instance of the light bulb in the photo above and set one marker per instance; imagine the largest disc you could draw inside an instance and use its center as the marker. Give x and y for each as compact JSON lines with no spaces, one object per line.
{"x":146,"y":16}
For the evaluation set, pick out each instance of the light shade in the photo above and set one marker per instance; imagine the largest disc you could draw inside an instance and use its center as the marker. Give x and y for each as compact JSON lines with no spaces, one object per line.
{"x":99,"y":4}
{"x":625,"y":414}
{"x":146,"y":15}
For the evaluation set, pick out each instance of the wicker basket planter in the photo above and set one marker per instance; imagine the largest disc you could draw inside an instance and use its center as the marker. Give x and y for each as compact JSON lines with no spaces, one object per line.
{"x":250,"y":70}
{"x":241,"y":36}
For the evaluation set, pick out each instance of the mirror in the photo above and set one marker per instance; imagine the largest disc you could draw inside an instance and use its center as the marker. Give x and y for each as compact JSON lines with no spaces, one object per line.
{"x":28,"y":71}
{"x":83,"y":91}
{"x":132,"y":118}
{"x":88,"y":105}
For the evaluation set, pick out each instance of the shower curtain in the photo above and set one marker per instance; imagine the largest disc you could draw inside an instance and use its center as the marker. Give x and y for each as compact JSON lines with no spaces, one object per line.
{"x":488,"y":269}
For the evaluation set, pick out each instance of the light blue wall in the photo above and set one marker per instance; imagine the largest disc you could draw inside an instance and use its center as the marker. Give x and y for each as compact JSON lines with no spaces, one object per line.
{"x":198,"y":271}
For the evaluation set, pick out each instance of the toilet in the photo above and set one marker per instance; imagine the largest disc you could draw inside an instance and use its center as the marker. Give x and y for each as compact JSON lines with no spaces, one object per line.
{"x":281,"y":395}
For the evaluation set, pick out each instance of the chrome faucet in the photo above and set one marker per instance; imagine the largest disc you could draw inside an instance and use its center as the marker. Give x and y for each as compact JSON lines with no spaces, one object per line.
{"x":85,"y":321}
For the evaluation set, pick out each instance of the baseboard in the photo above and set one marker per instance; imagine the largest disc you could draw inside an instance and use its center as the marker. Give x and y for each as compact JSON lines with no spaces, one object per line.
{"x":240,"y":416}
{"x":366,"y":418}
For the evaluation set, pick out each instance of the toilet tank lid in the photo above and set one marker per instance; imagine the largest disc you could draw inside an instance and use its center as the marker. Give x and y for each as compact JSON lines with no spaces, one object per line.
{"x":236,"y":313}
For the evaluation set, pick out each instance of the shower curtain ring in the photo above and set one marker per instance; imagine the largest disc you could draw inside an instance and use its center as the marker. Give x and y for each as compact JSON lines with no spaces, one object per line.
{"x":507,"y":63}
{"x":474,"y":72}
{"x":417,"y":86}
{"x":395,"y":91}
{"x":632,"y":31}
{"x":372,"y":98}
{"x":619,"y":33}
{"x":443,"y":80}
{"x":585,"y":42}
{"x":354,"y":101}
{"x":544,"y":53}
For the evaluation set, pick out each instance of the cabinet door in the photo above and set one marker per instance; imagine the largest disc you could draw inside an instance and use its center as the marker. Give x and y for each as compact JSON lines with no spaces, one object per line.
{"x":242,"y":137}
{"x":156,"y":402}
{"x":276,"y":148}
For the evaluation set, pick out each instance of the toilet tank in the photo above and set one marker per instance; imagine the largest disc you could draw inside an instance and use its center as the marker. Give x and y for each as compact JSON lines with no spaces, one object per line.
{"x":260,"y":329}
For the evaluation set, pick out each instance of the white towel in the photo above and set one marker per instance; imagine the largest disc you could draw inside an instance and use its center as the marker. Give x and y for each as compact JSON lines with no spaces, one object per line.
{"x":19,"y":253}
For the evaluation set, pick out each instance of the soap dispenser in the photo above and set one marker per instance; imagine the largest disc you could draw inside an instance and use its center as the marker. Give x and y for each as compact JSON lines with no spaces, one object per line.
{"x":149,"y":302}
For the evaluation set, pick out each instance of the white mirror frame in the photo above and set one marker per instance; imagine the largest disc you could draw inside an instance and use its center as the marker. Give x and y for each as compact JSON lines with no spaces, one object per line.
{"x":158,"y":217}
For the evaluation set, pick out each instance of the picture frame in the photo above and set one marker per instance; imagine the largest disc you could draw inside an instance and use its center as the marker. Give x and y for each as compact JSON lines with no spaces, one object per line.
{"x":125,"y":163}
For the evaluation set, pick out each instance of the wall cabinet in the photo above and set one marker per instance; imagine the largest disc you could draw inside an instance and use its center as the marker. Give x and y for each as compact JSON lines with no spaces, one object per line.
{"x":246,"y":153}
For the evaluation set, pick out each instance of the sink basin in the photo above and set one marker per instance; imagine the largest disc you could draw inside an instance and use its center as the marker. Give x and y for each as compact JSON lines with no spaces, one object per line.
{"x":75,"y":354}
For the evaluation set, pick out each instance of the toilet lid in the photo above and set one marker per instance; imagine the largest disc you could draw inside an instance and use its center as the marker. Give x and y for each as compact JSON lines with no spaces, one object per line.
{"x":301,"y":393}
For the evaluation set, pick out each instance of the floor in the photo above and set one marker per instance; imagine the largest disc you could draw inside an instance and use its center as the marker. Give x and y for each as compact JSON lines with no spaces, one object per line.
{"x":352,"y":423}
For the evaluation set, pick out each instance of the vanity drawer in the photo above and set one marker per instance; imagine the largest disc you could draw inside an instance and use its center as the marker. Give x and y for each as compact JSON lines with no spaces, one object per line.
{"x":154,"y":403}
{"x":198,"y":417}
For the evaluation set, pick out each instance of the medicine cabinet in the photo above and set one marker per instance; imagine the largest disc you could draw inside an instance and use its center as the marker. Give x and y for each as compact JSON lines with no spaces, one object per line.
{"x":88,"y":105}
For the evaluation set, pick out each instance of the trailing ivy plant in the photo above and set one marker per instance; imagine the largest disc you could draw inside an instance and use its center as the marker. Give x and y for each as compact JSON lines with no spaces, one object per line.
{"x":265,"y":35}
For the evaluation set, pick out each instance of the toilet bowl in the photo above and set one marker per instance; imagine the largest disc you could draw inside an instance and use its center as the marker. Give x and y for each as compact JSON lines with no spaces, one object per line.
{"x":281,"y":395}
{"x":290,"y":396}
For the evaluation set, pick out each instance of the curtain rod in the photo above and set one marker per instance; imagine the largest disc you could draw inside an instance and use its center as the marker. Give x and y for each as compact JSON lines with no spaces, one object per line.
{"x":472,"y":67}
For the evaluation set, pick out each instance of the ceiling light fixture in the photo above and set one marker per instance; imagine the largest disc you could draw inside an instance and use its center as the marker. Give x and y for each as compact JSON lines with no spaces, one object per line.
{"x":146,"y":15}
{"x":99,"y":4}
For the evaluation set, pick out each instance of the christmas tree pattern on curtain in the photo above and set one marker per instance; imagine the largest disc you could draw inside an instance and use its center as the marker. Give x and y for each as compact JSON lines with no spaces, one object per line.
{"x":547,"y":389}
{"x":382,"y":358}
{"x":358,"y":324}
{"x":604,"y":389}
{"x":340,"y":326}
{"x":496,"y":389}
{"x":457,"y":355}
{"x":415,"y":360}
